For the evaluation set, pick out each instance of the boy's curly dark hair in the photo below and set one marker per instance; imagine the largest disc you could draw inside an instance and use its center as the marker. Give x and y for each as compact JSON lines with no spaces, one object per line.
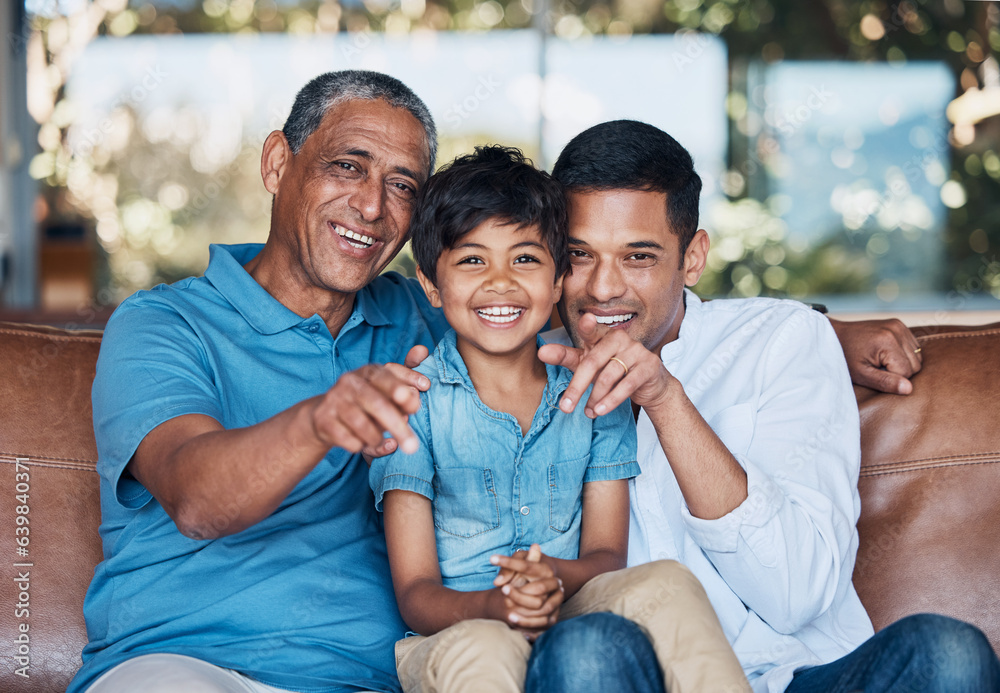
{"x":495,"y":182}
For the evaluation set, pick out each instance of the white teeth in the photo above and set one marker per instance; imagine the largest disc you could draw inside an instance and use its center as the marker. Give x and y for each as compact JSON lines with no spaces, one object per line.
{"x":361,"y":240}
{"x":612,"y":319}
{"x":500,"y":314}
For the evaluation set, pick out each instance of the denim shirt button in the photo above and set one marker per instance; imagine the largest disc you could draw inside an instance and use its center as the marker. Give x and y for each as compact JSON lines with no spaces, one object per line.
{"x":525,"y":510}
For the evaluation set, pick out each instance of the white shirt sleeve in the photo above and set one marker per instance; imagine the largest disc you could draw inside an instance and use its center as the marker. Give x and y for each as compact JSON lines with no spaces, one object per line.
{"x":783,"y":549}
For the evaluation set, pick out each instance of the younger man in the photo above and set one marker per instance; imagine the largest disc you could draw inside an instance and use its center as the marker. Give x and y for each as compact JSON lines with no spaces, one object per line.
{"x":500,"y":469}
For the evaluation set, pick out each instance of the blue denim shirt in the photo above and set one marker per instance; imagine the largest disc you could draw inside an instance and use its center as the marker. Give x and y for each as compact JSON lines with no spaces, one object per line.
{"x":495,"y":490}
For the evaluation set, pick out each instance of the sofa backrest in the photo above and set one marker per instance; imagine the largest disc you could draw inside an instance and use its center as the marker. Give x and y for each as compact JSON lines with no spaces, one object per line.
{"x":47,"y":444}
{"x":930,"y":484}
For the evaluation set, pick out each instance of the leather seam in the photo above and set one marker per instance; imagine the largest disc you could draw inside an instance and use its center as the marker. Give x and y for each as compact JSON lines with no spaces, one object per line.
{"x":909,"y":467}
{"x":956,"y":335}
{"x":43,"y":336}
{"x":943,"y":458}
{"x":11,"y":458}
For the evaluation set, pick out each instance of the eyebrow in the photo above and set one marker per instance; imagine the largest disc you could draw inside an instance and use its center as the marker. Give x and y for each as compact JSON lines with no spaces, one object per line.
{"x":522,"y":244}
{"x":367,"y":155}
{"x":638,"y":245}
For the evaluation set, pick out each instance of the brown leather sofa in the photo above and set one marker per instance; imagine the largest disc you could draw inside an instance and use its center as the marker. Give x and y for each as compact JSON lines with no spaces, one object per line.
{"x":930,"y":491}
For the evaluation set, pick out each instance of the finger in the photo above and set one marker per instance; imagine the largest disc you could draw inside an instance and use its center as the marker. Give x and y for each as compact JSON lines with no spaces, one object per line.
{"x":394,"y":381}
{"x":387,"y":447}
{"x":586,"y":330}
{"x":528,"y":622}
{"x":900,"y":361}
{"x":338,"y":435}
{"x":610,"y":379}
{"x":534,"y":553}
{"x":409,"y":377}
{"x":354,"y":417}
{"x":529,"y":569}
{"x":416,"y":356}
{"x":505,"y":576}
{"x":593,"y":364}
{"x":390,"y":414}
{"x":909,"y":342}
{"x":560,"y":355}
{"x":883,"y":381}
{"x":541,"y":587}
{"x":621,"y":392}
{"x":525,"y":604}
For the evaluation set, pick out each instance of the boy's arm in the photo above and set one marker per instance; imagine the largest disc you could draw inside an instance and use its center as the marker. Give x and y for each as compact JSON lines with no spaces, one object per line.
{"x":603,"y":539}
{"x":425,"y":604}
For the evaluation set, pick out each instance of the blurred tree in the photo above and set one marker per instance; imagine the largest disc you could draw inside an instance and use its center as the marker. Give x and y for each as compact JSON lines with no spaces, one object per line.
{"x":964,"y":35}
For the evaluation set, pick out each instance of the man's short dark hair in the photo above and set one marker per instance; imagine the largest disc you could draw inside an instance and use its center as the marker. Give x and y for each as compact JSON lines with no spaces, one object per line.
{"x":629,"y":155}
{"x":493,"y":183}
{"x":329,"y":89}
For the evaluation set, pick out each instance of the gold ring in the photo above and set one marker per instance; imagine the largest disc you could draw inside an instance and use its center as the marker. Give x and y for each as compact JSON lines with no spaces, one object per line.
{"x":615,"y":358}
{"x":918,"y":350}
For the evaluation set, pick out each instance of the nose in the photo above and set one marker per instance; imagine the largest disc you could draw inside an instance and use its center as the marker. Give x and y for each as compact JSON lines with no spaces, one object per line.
{"x":605,"y":282}
{"x":498,"y":280}
{"x":368,"y":198}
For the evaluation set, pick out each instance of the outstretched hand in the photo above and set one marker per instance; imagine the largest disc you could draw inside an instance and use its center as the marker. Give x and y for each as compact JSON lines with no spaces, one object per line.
{"x":618,"y":366}
{"x":363,"y":404}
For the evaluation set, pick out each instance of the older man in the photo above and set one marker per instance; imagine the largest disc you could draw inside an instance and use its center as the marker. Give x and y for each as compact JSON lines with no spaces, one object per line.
{"x":748,"y":433}
{"x":241,"y":548}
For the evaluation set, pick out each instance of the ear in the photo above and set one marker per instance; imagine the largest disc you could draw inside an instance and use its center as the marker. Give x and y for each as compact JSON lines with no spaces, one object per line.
{"x":695,"y":258}
{"x":433,"y":295}
{"x":557,"y":289}
{"x":274,"y":160}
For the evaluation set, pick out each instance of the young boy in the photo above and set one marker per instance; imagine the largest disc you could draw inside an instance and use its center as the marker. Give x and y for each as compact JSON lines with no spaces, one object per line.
{"x":502,"y":477}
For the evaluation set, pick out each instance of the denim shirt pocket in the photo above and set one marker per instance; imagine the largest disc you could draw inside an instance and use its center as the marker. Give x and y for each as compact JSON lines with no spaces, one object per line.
{"x":566,"y":492}
{"x":465,"y":501}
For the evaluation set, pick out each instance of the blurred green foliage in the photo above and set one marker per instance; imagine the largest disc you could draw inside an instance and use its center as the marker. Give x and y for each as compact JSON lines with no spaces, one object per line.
{"x":750,"y":255}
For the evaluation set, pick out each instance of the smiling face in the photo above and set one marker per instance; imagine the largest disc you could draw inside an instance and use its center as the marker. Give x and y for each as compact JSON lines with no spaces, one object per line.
{"x":626,"y":266}
{"x":497,"y":286}
{"x":342,"y":204}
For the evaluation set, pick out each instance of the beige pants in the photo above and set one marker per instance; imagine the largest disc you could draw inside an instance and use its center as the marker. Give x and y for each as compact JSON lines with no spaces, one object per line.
{"x":664,"y":598}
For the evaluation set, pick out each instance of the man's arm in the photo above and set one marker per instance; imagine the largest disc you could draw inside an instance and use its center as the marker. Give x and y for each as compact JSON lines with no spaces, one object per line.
{"x":881,"y":354}
{"x":214,"y":482}
{"x":787,"y":522}
{"x":712,"y":481}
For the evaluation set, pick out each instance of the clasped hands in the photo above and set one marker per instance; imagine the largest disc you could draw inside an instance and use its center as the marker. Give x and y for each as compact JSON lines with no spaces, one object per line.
{"x":529,"y":593}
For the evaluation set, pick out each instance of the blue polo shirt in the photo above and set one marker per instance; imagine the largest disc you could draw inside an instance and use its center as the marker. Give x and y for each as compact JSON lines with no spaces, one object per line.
{"x":303,"y":599}
{"x":495,"y":490}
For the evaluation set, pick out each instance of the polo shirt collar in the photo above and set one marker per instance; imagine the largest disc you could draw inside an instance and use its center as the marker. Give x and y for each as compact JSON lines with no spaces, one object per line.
{"x":260,"y":309}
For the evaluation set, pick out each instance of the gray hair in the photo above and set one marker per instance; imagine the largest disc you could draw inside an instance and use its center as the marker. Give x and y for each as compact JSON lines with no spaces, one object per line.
{"x":326,"y":91}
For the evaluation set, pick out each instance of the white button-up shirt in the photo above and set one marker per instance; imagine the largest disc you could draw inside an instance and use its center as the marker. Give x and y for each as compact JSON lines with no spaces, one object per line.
{"x":770,"y":378}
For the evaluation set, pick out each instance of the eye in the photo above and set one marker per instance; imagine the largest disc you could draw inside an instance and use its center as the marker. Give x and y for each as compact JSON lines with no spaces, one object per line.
{"x":641,"y":259}
{"x":522,"y":259}
{"x":470,"y":260}
{"x":577,"y":255}
{"x":405,"y":189}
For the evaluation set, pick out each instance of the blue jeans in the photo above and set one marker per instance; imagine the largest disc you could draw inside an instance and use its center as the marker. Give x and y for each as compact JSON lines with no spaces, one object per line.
{"x":596,"y":652}
{"x":925,"y":653}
